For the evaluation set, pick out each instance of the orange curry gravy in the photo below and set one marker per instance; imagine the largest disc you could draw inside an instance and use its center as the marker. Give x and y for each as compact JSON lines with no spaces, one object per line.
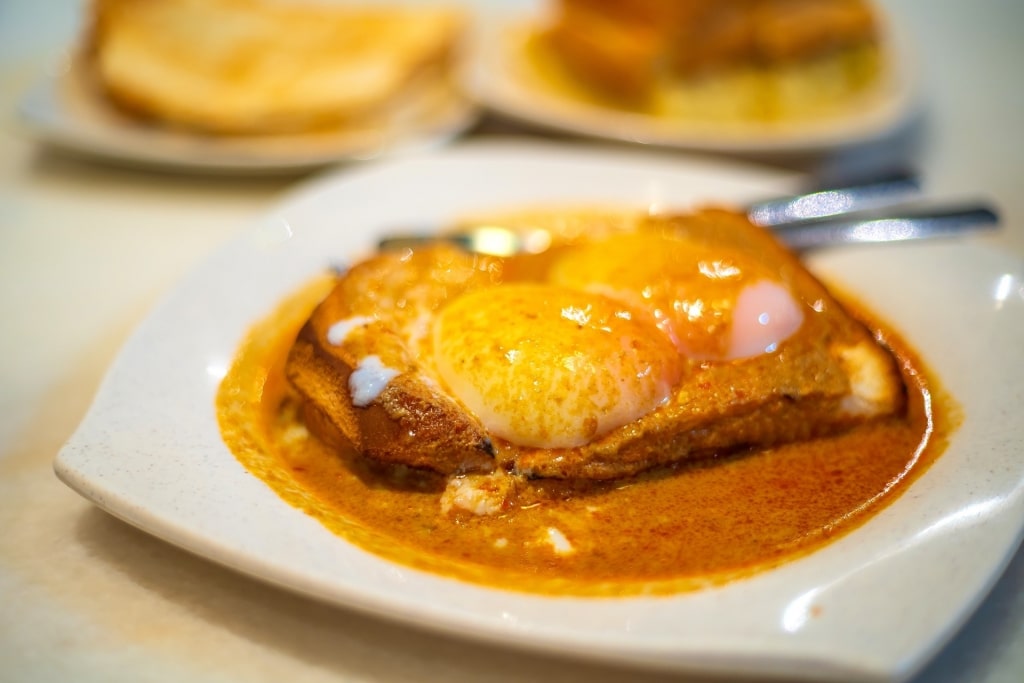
{"x":665,"y":531}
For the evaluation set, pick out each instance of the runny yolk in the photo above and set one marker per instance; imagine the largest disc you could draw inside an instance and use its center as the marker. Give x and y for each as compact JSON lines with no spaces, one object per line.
{"x":711,"y":303}
{"x":550,"y":367}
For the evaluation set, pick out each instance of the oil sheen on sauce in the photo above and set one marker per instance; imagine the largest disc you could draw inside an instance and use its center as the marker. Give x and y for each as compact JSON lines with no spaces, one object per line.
{"x":665,"y":531}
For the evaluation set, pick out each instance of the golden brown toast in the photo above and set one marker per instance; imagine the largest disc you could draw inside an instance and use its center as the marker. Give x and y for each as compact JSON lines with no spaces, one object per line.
{"x":626,"y":50}
{"x":264,"y":66}
{"x":827,"y":376}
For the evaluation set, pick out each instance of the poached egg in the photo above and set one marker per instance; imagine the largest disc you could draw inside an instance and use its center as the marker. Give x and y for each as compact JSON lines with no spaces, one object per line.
{"x":603,"y":341}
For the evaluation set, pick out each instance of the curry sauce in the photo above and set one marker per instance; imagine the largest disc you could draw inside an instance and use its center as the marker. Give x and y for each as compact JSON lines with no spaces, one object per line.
{"x":666,"y":530}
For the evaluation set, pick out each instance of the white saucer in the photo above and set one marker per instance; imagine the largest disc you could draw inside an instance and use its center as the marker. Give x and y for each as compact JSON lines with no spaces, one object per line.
{"x":67,"y":109}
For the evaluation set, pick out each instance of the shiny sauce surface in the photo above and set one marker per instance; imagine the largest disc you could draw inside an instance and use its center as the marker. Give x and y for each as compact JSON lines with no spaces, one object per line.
{"x":665,"y":531}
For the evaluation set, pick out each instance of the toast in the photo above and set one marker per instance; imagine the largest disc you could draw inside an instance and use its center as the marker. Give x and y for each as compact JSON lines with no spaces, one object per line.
{"x":260,"y":66}
{"x":768,"y":57}
{"x":367,"y":364}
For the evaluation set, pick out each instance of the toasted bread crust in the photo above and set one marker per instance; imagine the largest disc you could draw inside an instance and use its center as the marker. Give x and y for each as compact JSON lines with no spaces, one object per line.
{"x":409,"y":424}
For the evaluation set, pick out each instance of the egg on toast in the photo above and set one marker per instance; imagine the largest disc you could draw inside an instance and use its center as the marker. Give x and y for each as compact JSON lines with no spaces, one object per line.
{"x":652,"y":341}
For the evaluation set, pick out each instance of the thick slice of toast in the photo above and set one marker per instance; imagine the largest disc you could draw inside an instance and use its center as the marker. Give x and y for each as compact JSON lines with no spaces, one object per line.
{"x":634,"y":51}
{"x":380,"y":309}
{"x":260,"y":66}
{"x":364,"y":365}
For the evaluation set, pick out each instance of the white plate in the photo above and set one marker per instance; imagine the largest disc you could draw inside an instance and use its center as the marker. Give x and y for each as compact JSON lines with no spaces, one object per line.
{"x":876,"y":604}
{"x":66,"y":108}
{"x":500,"y":80}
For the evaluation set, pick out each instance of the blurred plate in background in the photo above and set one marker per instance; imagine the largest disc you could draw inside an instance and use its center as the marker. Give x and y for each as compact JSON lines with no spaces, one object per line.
{"x":67,"y":109}
{"x":504,"y":78}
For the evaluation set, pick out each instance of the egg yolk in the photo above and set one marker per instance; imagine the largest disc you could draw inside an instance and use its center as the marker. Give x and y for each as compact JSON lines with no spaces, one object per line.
{"x":551,"y":367}
{"x":712,"y":303}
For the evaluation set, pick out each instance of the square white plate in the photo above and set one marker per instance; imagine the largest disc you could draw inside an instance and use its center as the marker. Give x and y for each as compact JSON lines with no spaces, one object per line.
{"x":874,"y":605}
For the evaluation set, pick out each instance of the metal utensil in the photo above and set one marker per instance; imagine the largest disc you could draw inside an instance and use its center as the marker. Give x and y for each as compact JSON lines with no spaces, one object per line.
{"x":905,"y":225}
{"x":809,"y":221}
{"x":803,"y":235}
{"x":882,"y":190}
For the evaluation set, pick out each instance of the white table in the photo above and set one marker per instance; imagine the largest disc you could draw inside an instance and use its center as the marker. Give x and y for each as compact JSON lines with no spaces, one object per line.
{"x":86,"y":249}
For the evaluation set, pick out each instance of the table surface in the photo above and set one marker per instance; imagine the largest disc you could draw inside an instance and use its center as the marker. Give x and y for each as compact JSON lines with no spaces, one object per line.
{"x":86,"y":249}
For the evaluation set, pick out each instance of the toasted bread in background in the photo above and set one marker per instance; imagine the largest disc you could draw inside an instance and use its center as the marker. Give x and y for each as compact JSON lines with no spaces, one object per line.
{"x":265,"y":66}
{"x":626,"y":50}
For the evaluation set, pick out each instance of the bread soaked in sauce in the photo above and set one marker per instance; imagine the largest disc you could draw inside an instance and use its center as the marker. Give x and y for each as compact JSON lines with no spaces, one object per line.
{"x":599,"y":359}
{"x":669,"y":529}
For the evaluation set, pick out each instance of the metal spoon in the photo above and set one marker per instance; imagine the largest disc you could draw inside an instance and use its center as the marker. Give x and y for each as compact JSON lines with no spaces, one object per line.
{"x":905,"y":225}
{"x":881,"y":190}
{"x":800,"y":236}
{"x":808,"y":221}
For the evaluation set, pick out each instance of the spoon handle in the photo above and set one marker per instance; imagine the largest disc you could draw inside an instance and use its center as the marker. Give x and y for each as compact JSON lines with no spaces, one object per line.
{"x":802,"y":235}
{"x":885,"y":190}
{"x":904,"y":225}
